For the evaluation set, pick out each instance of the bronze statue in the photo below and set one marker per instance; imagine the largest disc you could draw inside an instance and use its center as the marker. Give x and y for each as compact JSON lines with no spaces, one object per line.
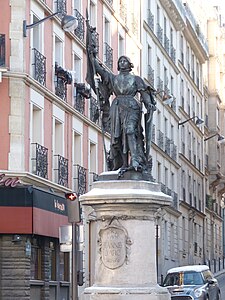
{"x":127,"y":148}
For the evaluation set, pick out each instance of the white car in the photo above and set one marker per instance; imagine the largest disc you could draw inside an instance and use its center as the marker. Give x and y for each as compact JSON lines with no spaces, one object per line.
{"x":194,"y":282}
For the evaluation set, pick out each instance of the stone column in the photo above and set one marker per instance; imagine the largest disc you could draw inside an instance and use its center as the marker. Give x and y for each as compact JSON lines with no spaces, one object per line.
{"x":123,"y":244}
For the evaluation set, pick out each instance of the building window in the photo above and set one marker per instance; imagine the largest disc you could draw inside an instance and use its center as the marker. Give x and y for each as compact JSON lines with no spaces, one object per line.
{"x":2,"y":50}
{"x":58,"y":51}
{"x":52,"y":261}
{"x":92,"y":14}
{"x":77,"y":69}
{"x":121,"y":46}
{"x":93,"y":162}
{"x":36,"y":260}
{"x":64,"y":266}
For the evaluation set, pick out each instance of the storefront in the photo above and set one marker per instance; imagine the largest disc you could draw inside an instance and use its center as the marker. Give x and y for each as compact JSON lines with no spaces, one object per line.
{"x":31,"y":264}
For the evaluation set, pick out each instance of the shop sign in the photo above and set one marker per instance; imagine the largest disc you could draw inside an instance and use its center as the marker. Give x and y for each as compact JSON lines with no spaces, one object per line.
{"x":8,"y":181}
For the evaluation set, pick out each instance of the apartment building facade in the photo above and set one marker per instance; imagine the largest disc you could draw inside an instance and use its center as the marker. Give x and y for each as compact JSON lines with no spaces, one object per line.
{"x":52,"y":139}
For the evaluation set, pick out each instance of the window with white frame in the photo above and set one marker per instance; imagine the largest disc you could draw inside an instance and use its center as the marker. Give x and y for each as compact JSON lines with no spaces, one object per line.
{"x":93,"y":160}
{"x":58,"y":137}
{"x":93,"y":16}
{"x":159,"y":175}
{"x":58,"y":51}
{"x":182,"y":49}
{"x":77,"y":68}
{"x":36,"y":34}
{"x":121,"y":46}
{"x":165,"y":238}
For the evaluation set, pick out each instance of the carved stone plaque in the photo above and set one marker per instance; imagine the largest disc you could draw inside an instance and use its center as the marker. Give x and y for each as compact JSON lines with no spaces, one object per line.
{"x":113,"y":246}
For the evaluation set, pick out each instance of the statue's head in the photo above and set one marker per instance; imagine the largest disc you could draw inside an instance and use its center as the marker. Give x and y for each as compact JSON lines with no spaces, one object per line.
{"x":126,"y":61}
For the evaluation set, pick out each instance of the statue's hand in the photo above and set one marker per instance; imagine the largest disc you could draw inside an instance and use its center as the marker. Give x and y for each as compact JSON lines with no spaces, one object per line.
{"x":150,"y":107}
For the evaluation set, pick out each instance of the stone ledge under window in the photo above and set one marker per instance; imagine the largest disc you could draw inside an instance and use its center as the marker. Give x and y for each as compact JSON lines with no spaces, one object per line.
{"x":37,"y":282}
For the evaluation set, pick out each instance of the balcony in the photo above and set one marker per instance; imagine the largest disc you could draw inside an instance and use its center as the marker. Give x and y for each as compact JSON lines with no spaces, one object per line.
{"x":167,"y":44}
{"x":63,"y":78}
{"x":108,"y":60}
{"x":173,"y":53}
{"x":167,"y":145}
{"x":150,"y":20}
{"x":123,"y":11}
{"x":80,"y":180}
{"x":160,"y":140}
{"x":159,"y":33}
{"x":134,"y":25}
{"x":94,"y":110}
{"x":151,"y":75}
{"x":61,"y":170}
{"x":79,"y":31}
{"x":61,"y":6}
{"x":159,"y":84}
{"x":110,"y":2}
{"x":174,"y":199}
{"x":81,"y":92}
{"x":92,"y":178}
{"x":153,"y":133}
{"x":39,"y":160}
{"x":2,"y":50}
{"x":196,"y":37}
{"x":39,"y":67}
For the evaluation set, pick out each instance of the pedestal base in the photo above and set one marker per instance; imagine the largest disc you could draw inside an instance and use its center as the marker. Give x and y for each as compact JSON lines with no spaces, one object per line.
{"x":109,"y":293}
{"x":121,"y":217}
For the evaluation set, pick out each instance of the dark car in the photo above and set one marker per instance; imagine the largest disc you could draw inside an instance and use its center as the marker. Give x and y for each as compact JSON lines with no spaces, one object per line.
{"x":192,"y":283}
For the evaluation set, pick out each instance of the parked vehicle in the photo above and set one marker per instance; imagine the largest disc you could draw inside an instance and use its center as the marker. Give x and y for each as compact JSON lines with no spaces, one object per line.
{"x":194,"y":282}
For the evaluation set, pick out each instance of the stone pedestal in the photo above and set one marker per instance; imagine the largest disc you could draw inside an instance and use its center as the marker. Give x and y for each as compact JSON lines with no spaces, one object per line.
{"x":122,"y":240}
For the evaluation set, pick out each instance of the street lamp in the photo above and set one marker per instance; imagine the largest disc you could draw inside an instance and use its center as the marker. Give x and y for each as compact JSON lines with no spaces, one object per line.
{"x":197,"y":122}
{"x":68,"y":23}
{"x":220,"y":137}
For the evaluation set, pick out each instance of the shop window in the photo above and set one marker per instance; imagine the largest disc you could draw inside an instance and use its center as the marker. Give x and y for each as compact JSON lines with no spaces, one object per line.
{"x":36,"y":260}
{"x":64,"y":266}
{"x":52,"y":261}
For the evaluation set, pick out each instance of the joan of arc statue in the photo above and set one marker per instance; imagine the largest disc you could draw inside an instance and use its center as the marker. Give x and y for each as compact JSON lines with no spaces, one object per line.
{"x":128,"y":151}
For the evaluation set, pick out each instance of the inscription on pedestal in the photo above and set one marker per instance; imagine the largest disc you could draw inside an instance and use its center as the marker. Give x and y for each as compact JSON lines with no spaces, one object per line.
{"x":113,"y":246}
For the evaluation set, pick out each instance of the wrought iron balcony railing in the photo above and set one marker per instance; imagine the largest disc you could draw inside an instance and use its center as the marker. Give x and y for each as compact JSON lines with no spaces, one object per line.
{"x":63,"y":78}
{"x":123,"y":11}
{"x":61,"y":6}
{"x":172,"y":53}
{"x":159,"y":33}
{"x":39,"y":160}
{"x":2,"y":50}
{"x":94,"y":110}
{"x":160,"y":139}
{"x":108,"y":56}
{"x":81,"y":92}
{"x":39,"y":71}
{"x":159,"y":84}
{"x":61,"y":170}
{"x":110,"y":2}
{"x":79,"y":31}
{"x":173,"y":153}
{"x":150,"y":20}
{"x":153,"y":133}
{"x":167,"y":145}
{"x":80,"y":179}
{"x":134,"y":25}
{"x":174,"y":199}
{"x":151,"y":75}
{"x":166,"y":44}
{"x":92,"y":178}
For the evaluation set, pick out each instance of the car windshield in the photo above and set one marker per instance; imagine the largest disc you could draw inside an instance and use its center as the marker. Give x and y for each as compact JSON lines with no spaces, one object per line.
{"x":183,"y":278}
